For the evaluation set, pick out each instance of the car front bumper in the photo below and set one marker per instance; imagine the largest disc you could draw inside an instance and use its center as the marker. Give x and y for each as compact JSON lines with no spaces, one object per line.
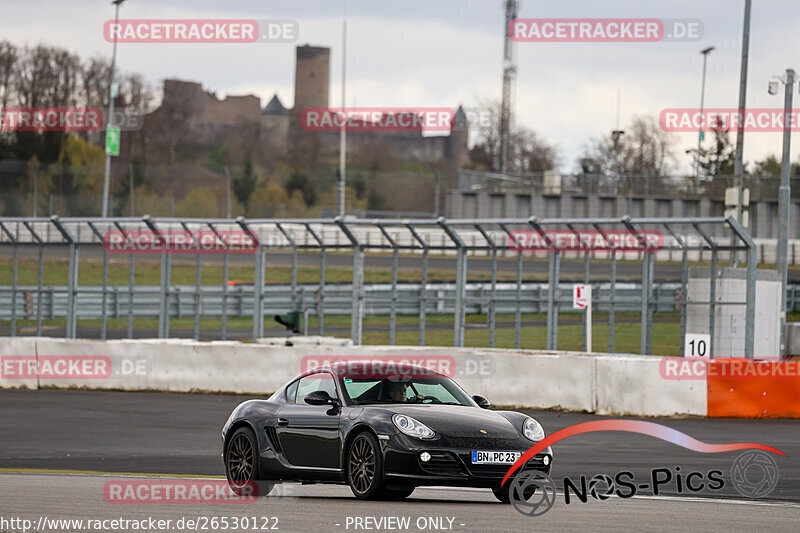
{"x":450,"y":461}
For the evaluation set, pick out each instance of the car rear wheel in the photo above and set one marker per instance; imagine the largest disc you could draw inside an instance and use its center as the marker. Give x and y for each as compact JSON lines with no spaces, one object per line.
{"x":365,"y":467}
{"x":241,"y":465}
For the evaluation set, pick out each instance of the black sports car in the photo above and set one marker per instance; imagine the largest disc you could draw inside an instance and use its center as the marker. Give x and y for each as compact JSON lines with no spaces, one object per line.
{"x":382,"y":433}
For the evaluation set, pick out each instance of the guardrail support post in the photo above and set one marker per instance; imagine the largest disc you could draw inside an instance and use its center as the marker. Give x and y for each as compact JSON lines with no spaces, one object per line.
{"x":15,"y":268}
{"x":750,"y":297}
{"x":163,"y":296}
{"x":357,"y":314}
{"x":72,"y":277}
{"x":461,"y":283}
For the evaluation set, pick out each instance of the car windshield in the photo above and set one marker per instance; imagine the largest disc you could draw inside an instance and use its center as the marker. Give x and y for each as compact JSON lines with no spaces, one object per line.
{"x":408,"y":390}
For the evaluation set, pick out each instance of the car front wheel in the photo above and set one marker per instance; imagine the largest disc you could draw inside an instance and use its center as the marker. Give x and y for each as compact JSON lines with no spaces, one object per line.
{"x":365,"y":467}
{"x":241,"y":465}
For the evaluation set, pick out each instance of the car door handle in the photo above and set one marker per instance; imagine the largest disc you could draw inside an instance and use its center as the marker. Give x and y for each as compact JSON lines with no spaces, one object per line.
{"x":283,"y":421}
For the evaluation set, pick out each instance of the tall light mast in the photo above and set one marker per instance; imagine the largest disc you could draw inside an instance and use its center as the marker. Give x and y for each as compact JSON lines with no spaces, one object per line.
{"x":509,"y":74}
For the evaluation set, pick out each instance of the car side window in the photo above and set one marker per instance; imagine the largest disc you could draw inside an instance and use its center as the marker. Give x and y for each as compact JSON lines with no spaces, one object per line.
{"x":313,"y":383}
{"x":291,"y":392}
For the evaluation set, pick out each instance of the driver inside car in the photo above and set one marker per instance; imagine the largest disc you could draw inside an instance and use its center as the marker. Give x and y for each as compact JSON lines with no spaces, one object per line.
{"x":397,"y":391}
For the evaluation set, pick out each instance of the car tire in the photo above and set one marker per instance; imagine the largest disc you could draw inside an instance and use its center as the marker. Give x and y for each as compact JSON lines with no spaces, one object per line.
{"x":241,"y":465}
{"x":398,"y":494}
{"x":364,"y":467}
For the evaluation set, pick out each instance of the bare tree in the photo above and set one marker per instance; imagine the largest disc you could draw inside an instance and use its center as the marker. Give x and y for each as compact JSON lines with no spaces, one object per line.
{"x":528,"y":152}
{"x":66,"y":69}
{"x":8,"y":62}
{"x":34,"y":76}
{"x":95,"y":79}
{"x":644,"y":150}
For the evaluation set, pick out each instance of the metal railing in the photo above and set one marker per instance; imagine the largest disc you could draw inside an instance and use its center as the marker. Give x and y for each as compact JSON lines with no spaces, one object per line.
{"x":422,"y":238}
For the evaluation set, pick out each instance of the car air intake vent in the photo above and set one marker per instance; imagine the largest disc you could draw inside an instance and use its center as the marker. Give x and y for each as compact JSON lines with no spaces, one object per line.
{"x":443,"y":464}
{"x":272,"y":435}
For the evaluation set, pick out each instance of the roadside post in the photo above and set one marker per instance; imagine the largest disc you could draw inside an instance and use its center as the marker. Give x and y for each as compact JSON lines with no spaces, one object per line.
{"x":582,"y":299}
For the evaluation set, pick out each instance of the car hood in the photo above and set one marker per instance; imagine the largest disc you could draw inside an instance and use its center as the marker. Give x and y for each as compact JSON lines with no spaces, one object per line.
{"x":459,"y":421}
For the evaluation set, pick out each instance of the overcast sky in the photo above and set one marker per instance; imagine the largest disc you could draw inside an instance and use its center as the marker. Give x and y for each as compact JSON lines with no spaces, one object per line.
{"x":449,"y":52}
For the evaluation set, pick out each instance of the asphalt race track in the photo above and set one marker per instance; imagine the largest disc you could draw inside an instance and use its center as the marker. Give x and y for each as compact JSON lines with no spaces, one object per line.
{"x":178,"y":435}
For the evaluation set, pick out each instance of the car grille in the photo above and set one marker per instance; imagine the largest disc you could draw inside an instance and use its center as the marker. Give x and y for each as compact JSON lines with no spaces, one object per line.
{"x":443,"y":464}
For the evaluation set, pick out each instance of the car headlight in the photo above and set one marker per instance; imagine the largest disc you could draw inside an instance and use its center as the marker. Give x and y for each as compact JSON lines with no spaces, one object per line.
{"x":413,"y":428}
{"x":532,"y":430}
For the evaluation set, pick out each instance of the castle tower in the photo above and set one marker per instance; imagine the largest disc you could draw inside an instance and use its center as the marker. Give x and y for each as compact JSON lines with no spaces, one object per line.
{"x":311,"y":84}
{"x":312,"y":76}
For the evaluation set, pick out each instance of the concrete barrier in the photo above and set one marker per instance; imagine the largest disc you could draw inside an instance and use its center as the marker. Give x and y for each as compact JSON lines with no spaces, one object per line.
{"x":633,"y":385}
{"x":15,"y":354}
{"x":606,"y":384}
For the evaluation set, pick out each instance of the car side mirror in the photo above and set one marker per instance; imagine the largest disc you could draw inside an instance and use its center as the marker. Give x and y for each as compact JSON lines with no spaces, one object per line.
{"x":482,"y":402}
{"x":320,"y":397}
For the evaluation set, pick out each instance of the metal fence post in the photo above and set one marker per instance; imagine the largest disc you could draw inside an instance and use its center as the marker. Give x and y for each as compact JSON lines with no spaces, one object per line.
{"x":393,"y":303}
{"x":225,"y":264}
{"x":357,"y":314}
{"x":72,"y":277}
{"x":197,"y":282}
{"x":258,"y":281}
{"x":131,"y":281}
{"x":712,"y":279}
{"x":586,"y":324}
{"x":423,"y":283}
{"x":684,"y":283}
{"x":612,"y":305}
{"x":459,"y":318}
{"x":40,"y":278}
{"x":612,"y":296}
{"x":105,"y":282}
{"x":294,"y":269}
{"x":518,"y":310}
{"x":647,"y":305}
{"x":552,"y":300}
{"x":646,"y":311}
{"x":15,"y":268}
{"x":750,"y":297}
{"x":163,"y":295}
{"x":553,"y":274}
{"x":493,"y":296}
{"x":321,"y":305}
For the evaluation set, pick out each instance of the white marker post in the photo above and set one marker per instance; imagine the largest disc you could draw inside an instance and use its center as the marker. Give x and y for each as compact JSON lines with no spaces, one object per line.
{"x":582,"y":299}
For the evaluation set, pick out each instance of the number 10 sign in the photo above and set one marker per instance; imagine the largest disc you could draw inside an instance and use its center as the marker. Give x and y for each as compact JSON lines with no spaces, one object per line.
{"x":697,"y":345}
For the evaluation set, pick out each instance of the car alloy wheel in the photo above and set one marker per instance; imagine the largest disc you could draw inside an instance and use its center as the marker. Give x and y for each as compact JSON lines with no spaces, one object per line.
{"x":364,"y":467}
{"x":241,"y":465}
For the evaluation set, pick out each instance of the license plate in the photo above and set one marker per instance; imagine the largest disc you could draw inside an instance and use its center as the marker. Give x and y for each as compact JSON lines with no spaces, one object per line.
{"x":494,"y":458}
